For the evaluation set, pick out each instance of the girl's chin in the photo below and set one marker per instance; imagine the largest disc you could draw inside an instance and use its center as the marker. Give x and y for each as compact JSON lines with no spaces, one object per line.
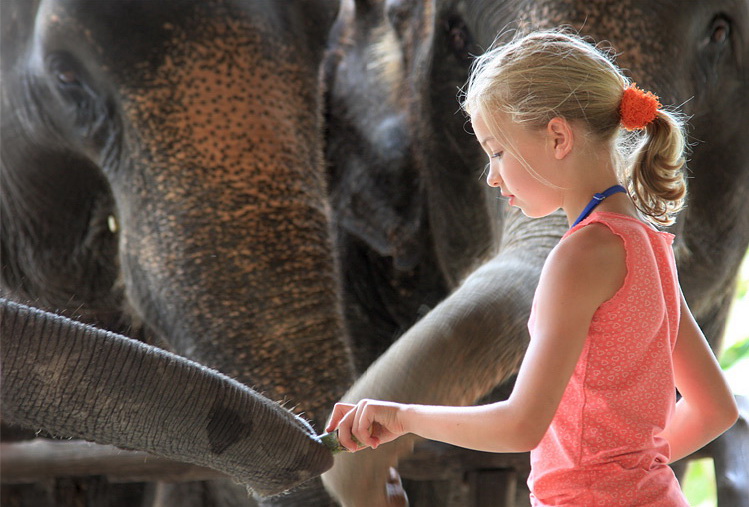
{"x":530,"y":213}
{"x":534,"y":214}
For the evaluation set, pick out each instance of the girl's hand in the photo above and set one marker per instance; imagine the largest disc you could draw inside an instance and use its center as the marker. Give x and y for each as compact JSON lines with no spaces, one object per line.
{"x":369,"y":423}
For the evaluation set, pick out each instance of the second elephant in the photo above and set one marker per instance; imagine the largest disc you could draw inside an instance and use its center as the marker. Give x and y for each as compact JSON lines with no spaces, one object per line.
{"x":415,"y":217}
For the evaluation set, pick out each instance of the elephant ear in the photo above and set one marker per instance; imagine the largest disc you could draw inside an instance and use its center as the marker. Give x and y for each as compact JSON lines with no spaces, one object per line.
{"x":55,"y":243}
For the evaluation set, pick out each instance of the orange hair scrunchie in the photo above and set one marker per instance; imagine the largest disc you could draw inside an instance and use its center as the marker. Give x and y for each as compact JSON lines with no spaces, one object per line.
{"x":638,"y":108}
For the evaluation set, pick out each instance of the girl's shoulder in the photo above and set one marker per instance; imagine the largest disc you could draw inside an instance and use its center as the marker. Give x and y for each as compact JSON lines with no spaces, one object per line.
{"x":592,"y":241}
{"x":593,"y":259}
{"x":620,"y":224}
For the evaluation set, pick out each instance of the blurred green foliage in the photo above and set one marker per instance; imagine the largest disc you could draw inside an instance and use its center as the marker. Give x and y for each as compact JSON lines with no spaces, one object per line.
{"x":735,"y":353}
{"x":699,"y":483}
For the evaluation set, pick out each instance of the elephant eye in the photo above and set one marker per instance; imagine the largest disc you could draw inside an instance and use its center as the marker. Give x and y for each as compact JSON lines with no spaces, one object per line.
{"x":720,"y":30}
{"x":67,"y":77}
{"x":715,"y":50}
{"x":458,"y":38}
{"x":65,"y":71}
{"x":81,"y":105}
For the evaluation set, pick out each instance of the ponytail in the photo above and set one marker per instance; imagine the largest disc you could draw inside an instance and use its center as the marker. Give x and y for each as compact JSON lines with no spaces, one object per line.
{"x":656,"y":178}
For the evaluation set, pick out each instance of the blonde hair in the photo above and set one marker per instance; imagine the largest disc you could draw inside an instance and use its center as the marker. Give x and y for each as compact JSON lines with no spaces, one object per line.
{"x":552,"y":73}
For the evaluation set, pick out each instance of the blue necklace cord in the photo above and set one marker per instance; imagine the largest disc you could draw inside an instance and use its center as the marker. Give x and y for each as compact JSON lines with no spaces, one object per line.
{"x":597,"y":198}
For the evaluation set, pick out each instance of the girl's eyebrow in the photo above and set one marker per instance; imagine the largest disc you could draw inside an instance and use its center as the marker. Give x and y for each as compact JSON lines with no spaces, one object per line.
{"x":483,"y":143}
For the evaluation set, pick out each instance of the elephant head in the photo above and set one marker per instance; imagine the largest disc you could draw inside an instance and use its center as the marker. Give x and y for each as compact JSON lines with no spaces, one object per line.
{"x":693,"y":55}
{"x":162,"y":177}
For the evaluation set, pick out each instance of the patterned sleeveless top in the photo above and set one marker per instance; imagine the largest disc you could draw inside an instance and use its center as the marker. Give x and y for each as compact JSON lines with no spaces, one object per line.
{"x":602,"y":447}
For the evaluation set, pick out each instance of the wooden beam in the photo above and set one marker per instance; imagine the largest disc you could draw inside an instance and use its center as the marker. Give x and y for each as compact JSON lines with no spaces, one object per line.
{"x":39,"y":459}
{"x":438,"y":461}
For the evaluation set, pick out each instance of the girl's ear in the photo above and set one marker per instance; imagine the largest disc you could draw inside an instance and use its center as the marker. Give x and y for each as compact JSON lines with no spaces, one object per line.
{"x":561,"y":136}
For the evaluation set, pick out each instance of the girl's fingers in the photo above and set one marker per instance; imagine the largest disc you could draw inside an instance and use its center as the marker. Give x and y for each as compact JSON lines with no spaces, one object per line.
{"x":355,"y":431}
{"x":345,"y":436}
{"x":364,"y":426}
{"x":355,"y":424}
{"x":339,"y":411}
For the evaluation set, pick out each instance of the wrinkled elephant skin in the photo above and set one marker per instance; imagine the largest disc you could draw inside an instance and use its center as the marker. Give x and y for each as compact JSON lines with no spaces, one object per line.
{"x":216,"y":425}
{"x":409,"y":59}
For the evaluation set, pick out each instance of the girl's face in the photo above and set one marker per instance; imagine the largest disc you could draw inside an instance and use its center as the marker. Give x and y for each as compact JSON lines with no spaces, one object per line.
{"x":535,"y":194}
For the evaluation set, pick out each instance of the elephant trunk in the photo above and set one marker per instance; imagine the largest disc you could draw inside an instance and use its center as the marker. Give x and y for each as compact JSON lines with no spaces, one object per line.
{"x":50,"y":362}
{"x":225,"y":242}
{"x":481,"y":328}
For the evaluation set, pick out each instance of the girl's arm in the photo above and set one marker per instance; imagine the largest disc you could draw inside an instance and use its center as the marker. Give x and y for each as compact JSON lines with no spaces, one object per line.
{"x":582,"y":272}
{"x":707,"y":407}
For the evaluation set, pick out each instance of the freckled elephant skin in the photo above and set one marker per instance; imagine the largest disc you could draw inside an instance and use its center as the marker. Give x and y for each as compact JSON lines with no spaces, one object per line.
{"x":162,"y":177}
{"x":406,"y":61}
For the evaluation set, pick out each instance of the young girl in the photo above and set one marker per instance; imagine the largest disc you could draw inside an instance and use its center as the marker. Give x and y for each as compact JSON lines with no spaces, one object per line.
{"x":611,"y":334}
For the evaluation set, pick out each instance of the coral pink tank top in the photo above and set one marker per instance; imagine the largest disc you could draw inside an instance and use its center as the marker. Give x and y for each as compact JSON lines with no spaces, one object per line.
{"x":602,"y":447}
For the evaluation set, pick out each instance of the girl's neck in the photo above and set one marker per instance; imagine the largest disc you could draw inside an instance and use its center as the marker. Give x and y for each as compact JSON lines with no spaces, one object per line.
{"x":591,"y":173}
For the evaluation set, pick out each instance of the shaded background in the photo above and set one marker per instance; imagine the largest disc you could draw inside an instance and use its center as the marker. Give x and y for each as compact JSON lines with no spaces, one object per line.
{"x":699,"y":483}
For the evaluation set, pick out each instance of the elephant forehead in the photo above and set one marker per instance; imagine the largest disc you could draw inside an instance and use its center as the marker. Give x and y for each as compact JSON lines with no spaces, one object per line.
{"x":624,"y":24}
{"x":223,"y":103}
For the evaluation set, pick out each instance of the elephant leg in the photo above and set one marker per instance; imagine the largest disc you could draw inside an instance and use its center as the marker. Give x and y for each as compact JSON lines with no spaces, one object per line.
{"x":730,"y":454}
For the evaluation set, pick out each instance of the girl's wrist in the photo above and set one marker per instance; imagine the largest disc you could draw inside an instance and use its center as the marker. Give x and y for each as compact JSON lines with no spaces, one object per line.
{"x":406,"y":415}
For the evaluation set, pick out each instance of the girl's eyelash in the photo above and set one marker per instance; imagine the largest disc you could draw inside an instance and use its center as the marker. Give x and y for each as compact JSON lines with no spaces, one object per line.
{"x":497,"y":155}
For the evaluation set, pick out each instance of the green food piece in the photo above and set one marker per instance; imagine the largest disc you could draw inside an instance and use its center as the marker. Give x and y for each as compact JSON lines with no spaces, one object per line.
{"x":331,"y":442}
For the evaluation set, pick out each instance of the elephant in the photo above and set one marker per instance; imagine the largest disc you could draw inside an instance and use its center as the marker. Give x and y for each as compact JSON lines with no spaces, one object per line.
{"x":157,"y":236}
{"x":163,"y":180}
{"x":433,"y":258}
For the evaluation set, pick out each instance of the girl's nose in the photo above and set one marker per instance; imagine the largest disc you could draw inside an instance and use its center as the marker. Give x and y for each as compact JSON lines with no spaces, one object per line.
{"x":493,"y":179}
